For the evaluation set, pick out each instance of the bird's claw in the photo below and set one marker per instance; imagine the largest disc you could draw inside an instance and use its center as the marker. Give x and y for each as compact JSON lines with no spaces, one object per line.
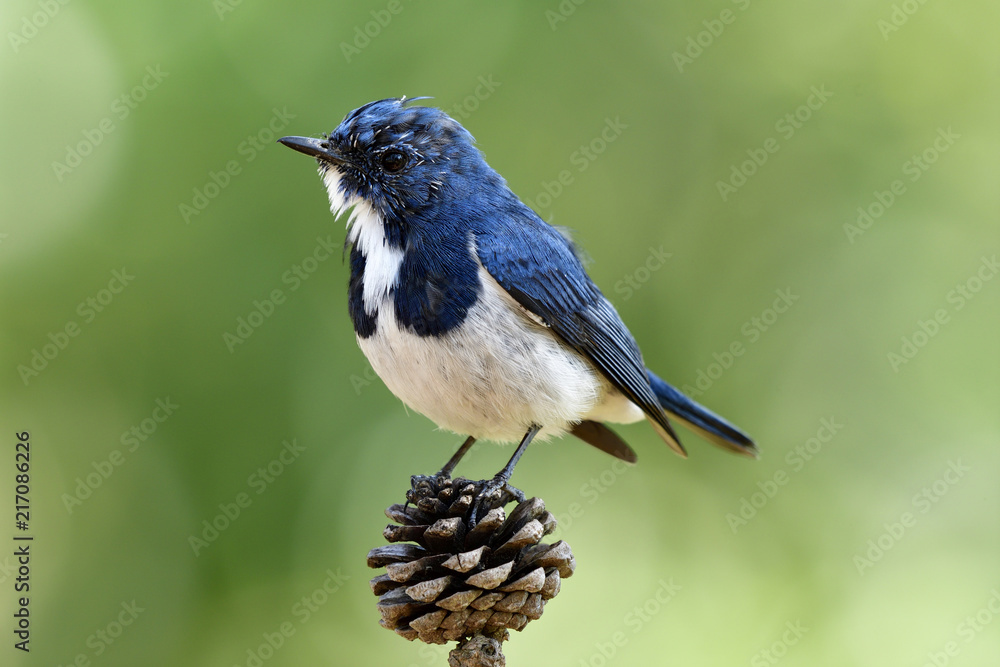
{"x":494,"y":493}
{"x":489,"y":494}
{"x":435,"y":480}
{"x":425,"y":486}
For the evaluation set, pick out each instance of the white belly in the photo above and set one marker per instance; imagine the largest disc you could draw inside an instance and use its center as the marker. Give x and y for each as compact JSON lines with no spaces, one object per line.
{"x":494,"y":376}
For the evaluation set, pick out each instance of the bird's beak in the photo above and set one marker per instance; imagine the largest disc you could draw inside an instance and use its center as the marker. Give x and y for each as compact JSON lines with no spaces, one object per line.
{"x":317,"y":148}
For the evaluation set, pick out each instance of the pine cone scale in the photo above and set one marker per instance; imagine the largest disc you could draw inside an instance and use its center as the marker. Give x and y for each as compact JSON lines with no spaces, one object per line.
{"x":531,"y":582}
{"x":430,"y":590}
{"x":463,"y":562}
{"x":459,"y":601}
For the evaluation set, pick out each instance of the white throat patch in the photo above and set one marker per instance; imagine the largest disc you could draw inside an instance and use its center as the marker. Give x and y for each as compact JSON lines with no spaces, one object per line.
{"x":366,"y":232}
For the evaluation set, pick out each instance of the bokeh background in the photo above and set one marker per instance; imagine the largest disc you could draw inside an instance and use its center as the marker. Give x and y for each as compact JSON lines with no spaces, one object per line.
{"x":716,"y":155}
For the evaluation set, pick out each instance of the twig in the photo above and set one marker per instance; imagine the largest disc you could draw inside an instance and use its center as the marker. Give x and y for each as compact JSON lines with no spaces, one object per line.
{"x":479,"y":651}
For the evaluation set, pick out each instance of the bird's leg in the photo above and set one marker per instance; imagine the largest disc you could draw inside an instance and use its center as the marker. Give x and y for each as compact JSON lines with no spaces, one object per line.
{"x":491,"y":492}
{"x":449,"y":467}
{"x":508,"y":469}
{"x":445,"y":472}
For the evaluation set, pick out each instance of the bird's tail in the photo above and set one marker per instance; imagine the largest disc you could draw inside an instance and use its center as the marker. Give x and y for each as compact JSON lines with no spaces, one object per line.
{"x":700,"y":419}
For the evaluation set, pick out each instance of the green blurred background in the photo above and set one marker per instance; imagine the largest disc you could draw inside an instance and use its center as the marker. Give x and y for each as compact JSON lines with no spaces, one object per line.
{"x":867,"y":534}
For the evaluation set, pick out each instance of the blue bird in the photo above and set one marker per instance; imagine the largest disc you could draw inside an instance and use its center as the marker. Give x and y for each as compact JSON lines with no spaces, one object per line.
{"x":473,"y":310}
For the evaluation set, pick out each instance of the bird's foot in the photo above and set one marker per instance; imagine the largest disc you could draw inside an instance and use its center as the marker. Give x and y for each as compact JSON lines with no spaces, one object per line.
{"x":494,"y":493}
{"x":426,"y":486}
{"x":436,"y":480}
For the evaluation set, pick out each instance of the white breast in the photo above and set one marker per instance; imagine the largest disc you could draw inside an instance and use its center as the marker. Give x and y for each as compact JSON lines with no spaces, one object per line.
{"x":493,"y":376}
{"x":367,"y":233}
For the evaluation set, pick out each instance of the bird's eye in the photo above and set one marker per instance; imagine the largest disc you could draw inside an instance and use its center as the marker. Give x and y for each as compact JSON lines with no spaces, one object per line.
{"x":393,"y":161}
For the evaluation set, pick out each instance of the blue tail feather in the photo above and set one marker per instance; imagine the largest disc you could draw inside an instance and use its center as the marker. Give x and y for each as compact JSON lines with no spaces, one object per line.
{"x":700,"y":419}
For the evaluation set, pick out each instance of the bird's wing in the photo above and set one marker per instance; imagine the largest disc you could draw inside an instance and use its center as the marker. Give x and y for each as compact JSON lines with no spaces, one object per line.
{"x":539,"y":268}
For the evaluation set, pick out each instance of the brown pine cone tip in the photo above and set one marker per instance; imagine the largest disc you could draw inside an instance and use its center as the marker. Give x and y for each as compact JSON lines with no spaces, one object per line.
{"x":456,"y":580}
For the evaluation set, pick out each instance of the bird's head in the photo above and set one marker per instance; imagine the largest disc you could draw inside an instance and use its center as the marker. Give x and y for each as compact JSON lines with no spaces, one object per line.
{"x":395,"y":158}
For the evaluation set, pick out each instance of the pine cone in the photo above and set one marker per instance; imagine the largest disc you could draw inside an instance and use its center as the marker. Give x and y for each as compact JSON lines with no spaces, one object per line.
{"x":458,"y":580}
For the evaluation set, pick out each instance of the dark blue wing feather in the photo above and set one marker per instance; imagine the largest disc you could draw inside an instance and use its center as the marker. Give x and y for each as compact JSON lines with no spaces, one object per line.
{"x":538,"y":267}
